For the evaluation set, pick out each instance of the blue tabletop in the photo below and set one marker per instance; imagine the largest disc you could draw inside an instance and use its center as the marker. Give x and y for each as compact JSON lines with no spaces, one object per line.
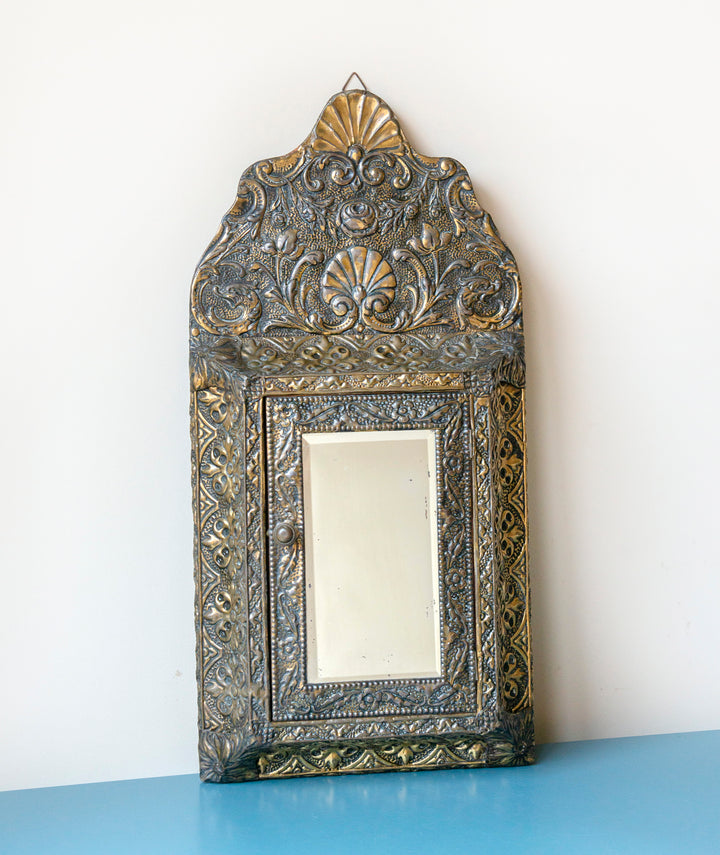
{"x":653,"y":794}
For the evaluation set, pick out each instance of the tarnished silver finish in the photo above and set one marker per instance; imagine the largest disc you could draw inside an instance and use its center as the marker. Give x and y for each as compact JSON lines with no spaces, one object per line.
{"x":356,"y":285}
{"x":285,"y":533}
{"x":454,"y":691}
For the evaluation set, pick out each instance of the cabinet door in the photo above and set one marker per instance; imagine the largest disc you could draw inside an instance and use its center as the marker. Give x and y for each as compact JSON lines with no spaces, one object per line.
{"x":371,"y":576}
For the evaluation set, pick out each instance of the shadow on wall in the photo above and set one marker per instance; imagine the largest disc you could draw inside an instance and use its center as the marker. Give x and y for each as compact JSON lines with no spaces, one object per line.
{"x":558,"y":656}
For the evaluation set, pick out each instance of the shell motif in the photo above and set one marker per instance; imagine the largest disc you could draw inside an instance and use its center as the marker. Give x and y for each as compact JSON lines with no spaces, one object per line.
{"x":357,"y":119}
{"x":358,"y":277}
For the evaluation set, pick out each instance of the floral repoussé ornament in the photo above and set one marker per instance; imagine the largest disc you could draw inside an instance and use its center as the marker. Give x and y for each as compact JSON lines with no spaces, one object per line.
{"x":353,"y":178}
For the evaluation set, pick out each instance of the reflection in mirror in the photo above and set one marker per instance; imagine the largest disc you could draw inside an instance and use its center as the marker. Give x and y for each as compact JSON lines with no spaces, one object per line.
{"x":371,"y":555}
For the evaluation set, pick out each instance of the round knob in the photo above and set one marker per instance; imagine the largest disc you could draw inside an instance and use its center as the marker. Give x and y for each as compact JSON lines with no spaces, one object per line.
{"x":285,"y":533}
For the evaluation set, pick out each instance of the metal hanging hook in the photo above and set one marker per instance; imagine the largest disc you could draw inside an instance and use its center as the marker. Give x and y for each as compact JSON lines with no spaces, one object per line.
{"x":354,"y":74}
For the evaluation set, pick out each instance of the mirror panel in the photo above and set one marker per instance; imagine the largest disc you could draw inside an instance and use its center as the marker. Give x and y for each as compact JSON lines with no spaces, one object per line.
{"x":371,"y":555}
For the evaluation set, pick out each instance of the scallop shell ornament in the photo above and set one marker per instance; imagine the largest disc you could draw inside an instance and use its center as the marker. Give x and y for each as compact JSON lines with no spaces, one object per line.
{"x":357,"y":119}
{"x":358,"y":277}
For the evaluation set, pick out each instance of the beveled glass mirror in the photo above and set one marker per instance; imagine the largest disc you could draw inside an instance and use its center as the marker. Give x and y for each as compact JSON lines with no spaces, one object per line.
{"x":358,"y":466}
{"x":371,"y":555}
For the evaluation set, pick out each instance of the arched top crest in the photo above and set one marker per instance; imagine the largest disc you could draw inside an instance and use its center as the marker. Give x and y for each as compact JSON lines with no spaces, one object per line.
{"x":354,"y":234}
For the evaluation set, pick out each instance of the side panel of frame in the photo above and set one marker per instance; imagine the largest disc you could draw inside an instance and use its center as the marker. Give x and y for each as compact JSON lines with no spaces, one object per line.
{"x":513,"y":608}
{"x":221,"y":608}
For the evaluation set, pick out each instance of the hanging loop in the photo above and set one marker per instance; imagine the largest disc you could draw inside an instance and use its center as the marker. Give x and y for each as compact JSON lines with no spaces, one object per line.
{"x":355,"y":74}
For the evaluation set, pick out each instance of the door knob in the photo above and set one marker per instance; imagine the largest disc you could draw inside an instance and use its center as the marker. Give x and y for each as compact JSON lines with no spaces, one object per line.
{"x":285,"y":533}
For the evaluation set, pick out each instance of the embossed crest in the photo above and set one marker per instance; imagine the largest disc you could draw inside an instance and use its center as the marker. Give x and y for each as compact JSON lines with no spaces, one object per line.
{"x":355,"y":177}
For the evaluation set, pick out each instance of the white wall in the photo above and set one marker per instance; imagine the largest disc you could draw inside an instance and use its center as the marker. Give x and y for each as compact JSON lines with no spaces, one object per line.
{"x":591,"y":133}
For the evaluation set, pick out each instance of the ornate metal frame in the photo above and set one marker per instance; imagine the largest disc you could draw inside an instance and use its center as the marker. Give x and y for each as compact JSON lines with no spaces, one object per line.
{"x":356,"y":285}
{"x":287,"y":420}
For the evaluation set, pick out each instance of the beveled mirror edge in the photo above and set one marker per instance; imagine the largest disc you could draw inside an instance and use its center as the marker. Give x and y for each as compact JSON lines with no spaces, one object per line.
{"x":233,"y":370}
{"x":399,"y":567}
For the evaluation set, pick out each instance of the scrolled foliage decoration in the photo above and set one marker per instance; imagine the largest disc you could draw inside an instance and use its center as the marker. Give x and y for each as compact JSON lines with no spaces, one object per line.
{"x":355,"y":177}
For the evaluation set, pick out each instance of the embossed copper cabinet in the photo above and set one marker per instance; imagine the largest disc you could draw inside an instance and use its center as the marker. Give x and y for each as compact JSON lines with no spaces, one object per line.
{"x":357,"y":287}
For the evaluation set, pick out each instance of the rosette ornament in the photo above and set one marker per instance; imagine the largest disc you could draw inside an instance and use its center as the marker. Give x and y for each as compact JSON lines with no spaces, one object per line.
{"x":358,"y":218}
